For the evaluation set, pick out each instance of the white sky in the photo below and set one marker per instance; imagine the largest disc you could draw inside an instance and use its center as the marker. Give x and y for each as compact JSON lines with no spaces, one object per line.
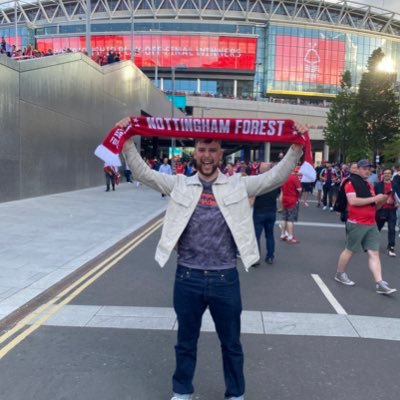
{"x":391,"y":5}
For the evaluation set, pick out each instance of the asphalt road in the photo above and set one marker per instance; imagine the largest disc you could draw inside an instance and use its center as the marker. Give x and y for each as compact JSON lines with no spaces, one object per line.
{"x":105,"y":359}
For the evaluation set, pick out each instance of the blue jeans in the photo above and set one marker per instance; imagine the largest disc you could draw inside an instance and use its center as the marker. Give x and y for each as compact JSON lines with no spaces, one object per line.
{"x":194,"y":291}
{"x":265,"y":220}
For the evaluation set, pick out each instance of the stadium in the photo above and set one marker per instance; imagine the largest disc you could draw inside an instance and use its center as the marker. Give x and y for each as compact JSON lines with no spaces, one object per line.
{"x":231,"y":48}
{"x":221,"y":57}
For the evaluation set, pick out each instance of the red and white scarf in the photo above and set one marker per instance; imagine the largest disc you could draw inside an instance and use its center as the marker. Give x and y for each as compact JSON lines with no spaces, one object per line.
{"x":233,"y":129}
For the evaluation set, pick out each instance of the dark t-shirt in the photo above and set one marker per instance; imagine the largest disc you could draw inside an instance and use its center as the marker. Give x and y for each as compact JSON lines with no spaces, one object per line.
{"x":267,"y":201}
{"x":207,"y":242}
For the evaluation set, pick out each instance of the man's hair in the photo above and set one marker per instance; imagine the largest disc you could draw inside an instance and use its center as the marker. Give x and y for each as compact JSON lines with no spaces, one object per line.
{"x":206,"y":141}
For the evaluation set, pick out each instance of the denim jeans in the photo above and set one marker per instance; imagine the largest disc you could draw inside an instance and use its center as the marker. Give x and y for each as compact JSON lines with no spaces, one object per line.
{"x":194,"y":291}
{"x":387,"y":215}
{"x":265,"y":220}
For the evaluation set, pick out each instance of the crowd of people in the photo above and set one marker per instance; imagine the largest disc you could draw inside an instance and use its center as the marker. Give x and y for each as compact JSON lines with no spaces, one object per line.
{"x":27,"y":52}
{"x":287,"y":199}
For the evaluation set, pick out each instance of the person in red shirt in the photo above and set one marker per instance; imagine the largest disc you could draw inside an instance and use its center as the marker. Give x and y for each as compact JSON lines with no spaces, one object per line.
{"x":179,"y":168}
{"x":361,"y":230}
{"x":291,"y":192}
{"x":388,"y":211}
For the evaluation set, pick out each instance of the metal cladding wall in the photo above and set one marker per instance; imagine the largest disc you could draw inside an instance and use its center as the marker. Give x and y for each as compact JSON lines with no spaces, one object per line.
{"x":55,"y":110}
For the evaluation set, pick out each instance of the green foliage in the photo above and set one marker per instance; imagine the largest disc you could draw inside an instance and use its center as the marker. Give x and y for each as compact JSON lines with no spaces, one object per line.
{"x":391,"y":152}
{"x":360,"y":124}
{"x":377,"y":106}
{"x":340,"y":120}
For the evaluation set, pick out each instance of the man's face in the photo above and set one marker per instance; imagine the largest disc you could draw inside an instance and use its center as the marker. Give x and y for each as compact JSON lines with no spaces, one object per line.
{"x":208,"y":157}
{"x":364,"y":172}
{"x":165,"y":161}
{"x":387,"y":175}
{"x":353,"y":168}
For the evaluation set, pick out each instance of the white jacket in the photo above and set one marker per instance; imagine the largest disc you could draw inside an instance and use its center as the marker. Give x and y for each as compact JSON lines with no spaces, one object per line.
{"x":231,"y":194}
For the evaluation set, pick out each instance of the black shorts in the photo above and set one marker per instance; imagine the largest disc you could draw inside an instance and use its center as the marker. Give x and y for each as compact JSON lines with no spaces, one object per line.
{"x":307,"y":186}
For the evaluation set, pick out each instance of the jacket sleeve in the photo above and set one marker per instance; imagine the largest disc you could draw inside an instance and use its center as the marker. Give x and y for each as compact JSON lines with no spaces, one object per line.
{"x":275,"y":177}
{"x":143,"y":173}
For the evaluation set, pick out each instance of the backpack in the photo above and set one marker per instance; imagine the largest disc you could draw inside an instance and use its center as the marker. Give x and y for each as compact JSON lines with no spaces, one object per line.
{"x":340,"y":205}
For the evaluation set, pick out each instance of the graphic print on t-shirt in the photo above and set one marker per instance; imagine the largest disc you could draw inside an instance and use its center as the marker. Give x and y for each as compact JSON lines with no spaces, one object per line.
{"x":207,"y":199}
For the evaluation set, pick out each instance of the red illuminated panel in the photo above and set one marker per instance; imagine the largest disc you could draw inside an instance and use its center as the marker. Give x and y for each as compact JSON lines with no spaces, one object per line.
{"x":309,"y":60}
{"x":218,"y":52}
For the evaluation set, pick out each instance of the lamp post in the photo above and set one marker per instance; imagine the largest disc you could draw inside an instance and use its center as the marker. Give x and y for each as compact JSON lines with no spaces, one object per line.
{"x":88,"y":33}
{"x":16,"y":25}
{"x":132,"y":31}
{"x":173,"y":140}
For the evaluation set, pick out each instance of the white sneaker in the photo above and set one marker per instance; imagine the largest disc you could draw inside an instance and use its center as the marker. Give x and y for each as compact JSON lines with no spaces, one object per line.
{"x":391,"y":252}
{"x":324,"y":208}
{"x":331,"y":209}
{"x":182,"y":397}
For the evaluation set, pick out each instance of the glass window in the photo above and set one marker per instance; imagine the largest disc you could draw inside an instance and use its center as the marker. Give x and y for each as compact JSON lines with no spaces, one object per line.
{"x":181,"y":85}
{"x":245,"y":90}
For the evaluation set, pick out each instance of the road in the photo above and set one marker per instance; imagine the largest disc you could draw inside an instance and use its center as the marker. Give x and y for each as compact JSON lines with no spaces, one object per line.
{"x":111,"y":334}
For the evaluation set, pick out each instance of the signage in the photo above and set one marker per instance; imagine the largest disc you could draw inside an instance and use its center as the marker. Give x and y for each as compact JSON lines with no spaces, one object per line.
{"x":303,"y":59}
{"x":217,"y":52}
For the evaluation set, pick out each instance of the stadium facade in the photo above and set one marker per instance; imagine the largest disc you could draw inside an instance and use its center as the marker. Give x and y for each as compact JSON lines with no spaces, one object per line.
{"x":230,"y":48}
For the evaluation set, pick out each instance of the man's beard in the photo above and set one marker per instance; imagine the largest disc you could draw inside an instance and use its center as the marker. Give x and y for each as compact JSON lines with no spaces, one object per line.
{"x":209,"y":172}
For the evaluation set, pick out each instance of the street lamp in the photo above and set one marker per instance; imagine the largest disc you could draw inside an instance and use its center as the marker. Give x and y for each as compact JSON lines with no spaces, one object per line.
{"x":88,"y":33}
{"x":173,"y":140}
{"x":132,"y":31}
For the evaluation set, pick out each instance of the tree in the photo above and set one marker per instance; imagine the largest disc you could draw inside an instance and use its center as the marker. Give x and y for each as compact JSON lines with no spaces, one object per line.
{"x":341,"y":121}
{"x":377,"y":106}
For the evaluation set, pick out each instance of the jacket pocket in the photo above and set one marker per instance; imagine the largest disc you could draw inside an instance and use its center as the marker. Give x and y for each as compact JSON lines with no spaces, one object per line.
{"x":235,"y":197}
{"x":183,"y":199}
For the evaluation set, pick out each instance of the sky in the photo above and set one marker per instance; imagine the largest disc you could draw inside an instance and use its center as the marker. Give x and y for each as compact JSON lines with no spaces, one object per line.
{"x":391,"y":5}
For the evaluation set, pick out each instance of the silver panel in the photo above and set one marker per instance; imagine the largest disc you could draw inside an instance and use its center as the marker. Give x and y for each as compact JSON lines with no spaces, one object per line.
{"x":54,"y":111}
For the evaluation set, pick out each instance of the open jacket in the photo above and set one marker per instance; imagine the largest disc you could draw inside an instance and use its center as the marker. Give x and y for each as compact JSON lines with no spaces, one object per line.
{"x":231,"y":194}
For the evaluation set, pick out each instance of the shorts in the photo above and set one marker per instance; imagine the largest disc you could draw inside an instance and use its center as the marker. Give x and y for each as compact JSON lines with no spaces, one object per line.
{"x":318,"y":186}
{"x":307,"y":186}
{"x":291,"y":214}
{"x":362,"y":237}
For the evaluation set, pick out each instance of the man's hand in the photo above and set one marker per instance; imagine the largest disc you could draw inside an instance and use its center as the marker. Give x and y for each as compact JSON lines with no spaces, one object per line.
{"x":127,"y":144}
{"x":300,"y":128}
{"x":123,"y":123}
{"x":381,"y":199}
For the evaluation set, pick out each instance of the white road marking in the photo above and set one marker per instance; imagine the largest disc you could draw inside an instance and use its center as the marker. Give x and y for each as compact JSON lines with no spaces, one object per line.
{"x":328,"y":294}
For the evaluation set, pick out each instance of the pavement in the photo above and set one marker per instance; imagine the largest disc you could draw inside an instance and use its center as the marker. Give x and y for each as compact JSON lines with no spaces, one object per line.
{"x":45,"y":239}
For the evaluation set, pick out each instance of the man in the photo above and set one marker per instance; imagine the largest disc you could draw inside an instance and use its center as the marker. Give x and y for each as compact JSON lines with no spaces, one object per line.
{"x":328,"y":177}
{"x":387,"y":213}
{"x":396,"y":190}
{"x":291,"y":192}
{"x":112,"y":175}
{"x":264,"y":216}
{"x":361,"y":230}
{"x":165,"y":168}
{"x":208,"y":220}
{"x":318,"y":182}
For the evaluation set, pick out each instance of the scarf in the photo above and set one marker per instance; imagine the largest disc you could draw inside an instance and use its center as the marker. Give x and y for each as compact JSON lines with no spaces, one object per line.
{"x":234,"y":129}
{"x":361,"y":186}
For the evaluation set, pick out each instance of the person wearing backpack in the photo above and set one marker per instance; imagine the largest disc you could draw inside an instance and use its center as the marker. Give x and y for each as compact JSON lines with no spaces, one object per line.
{"x":340,"y":205}
{"x":361,"y":230}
